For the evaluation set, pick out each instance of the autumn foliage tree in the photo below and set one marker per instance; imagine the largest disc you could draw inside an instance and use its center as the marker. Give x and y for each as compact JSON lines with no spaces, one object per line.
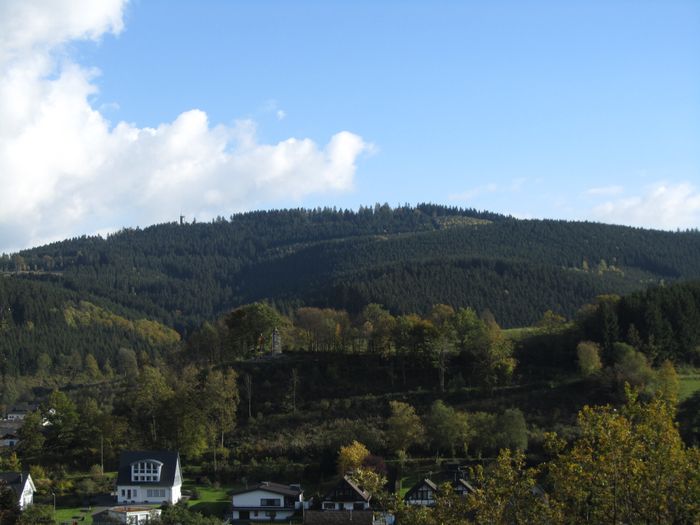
{"x":404,"y":427}
{"x":351,"y":457}
{"x":628,"y":466}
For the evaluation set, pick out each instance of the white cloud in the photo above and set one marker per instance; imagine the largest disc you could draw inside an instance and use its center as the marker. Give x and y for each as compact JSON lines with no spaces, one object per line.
{"x":663,"y":205}
{"x":604,"y":190}
{"x":65,"y":170}
{"x":281,"y":114}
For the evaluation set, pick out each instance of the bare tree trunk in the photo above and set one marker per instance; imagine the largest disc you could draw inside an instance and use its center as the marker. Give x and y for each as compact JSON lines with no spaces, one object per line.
{"x":248,"y":388}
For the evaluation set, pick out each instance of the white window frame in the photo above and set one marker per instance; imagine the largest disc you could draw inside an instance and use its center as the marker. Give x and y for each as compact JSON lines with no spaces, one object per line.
{"x":146,"y":470}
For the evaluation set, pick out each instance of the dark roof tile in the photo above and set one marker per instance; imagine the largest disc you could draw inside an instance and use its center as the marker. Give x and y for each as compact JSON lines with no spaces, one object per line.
{"x":167,"y":473}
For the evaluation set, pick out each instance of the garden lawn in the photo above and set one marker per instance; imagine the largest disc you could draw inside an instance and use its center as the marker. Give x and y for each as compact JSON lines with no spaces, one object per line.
{"x":689,"y":384}
{"x":212,"y":501}
{"x":66,"y":515}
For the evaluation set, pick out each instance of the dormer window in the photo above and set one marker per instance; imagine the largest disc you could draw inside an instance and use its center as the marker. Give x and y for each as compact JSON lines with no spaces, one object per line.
{"x":146,"y":470}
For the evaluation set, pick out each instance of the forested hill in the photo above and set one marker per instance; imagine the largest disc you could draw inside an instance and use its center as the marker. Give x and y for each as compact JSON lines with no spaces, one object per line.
{"x":406,"y":258}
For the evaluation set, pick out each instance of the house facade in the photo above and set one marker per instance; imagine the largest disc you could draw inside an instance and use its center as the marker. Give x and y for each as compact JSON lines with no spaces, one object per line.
{"x":422,"y":493}
{"x":20,"y":411}
{"x":22,"y":485}
{"x":9,"y":440}
{"x":346,"y":495}
{"x":9,"y":430}
{"x":149,"y":477}
{"x":425,"y":492}
{"x":132,"y":515}
{"x":267,"y":501}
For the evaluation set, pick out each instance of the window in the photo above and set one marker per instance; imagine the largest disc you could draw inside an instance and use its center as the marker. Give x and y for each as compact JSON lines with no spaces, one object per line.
{"x":424,"y":494}
{"x":328,"y":505}
{"x":358,"y":506}
{"x":270,"y":502}
{"x":146,"y":470}
{"x":155,"y":493}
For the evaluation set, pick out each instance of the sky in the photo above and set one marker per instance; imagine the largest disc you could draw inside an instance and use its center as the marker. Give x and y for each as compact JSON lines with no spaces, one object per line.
{"x":121,"y":114}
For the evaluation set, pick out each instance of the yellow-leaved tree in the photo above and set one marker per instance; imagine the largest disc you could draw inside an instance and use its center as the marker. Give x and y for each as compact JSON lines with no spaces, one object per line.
{"x":351,"y":457}
{"x":629,"y":465}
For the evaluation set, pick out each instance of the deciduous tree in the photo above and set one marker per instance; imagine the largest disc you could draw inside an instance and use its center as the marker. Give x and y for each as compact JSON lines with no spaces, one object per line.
{"x":404,"y":427}
{"x":588,"y":354}
{"x":447,"y":428}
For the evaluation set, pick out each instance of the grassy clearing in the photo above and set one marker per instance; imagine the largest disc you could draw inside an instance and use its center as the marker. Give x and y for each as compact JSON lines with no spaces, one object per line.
{"x":212,"y":500}
{"x":689,"y":384}
{"x":518,"y":334}
{"x":73,"y":514}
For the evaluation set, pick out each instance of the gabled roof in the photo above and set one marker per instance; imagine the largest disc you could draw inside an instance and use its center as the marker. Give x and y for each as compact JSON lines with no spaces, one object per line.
{"x":425,"y":482}
{"x":347,"y":490}
{"x":463,"y":484}
{"x":16,"y":481}
{"x":276,"y":488}
{"x":167,"y":471}
{"x":22,"y":408}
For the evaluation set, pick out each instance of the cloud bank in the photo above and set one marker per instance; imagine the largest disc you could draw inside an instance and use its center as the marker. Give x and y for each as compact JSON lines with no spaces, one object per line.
{"x":661,"y":205}
{"x":66,"y":170}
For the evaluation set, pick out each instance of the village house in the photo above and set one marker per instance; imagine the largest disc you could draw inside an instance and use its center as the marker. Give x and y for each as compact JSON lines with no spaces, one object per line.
{"x":346,"y":495}
{"x":20,"y":411}
{"x":149,"y":477}
{"x":267,"y":501}
{"x":422,"y":493}
{"x":126,"y":514}
{"x":9,"y":430}
{"x":22,"y":485}
{"x":133,"y":515}
{"x":425,"y":491}
{"x":9,"y":440}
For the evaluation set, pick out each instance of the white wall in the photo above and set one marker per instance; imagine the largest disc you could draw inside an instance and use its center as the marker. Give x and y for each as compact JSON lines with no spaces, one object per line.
{"x":424,"y":502}
{"x":172,"y":495}
{"x":337,"y":505}
{"x":281,"y":515}
{"x":27,"y":497}
{"x":252,"y":499}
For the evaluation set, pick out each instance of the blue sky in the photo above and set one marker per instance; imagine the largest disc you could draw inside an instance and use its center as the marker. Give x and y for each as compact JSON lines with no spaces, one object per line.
{"x":576,"y":110}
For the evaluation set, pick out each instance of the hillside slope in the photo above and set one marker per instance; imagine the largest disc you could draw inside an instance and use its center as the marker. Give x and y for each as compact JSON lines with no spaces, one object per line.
{"x":405,"y":258}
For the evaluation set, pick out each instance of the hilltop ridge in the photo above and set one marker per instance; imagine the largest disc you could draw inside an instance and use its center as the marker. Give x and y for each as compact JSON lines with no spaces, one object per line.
{"x":406,"y":258}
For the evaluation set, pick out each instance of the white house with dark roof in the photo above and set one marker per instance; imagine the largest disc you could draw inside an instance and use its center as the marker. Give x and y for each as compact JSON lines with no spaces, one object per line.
{"x":422,"y":493}
{"x":151,"y":476}
{"x":267,"y":501}
{"x":346,"y":495}
{"x":20,"y":411}
{"x":22,"y":485}
{"x":425,"y":491}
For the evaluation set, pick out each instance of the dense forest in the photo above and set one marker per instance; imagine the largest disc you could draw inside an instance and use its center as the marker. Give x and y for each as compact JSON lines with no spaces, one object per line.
{"x":405,"y":258}
{"x":276,"y":345}
{"x":257,"y":394}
